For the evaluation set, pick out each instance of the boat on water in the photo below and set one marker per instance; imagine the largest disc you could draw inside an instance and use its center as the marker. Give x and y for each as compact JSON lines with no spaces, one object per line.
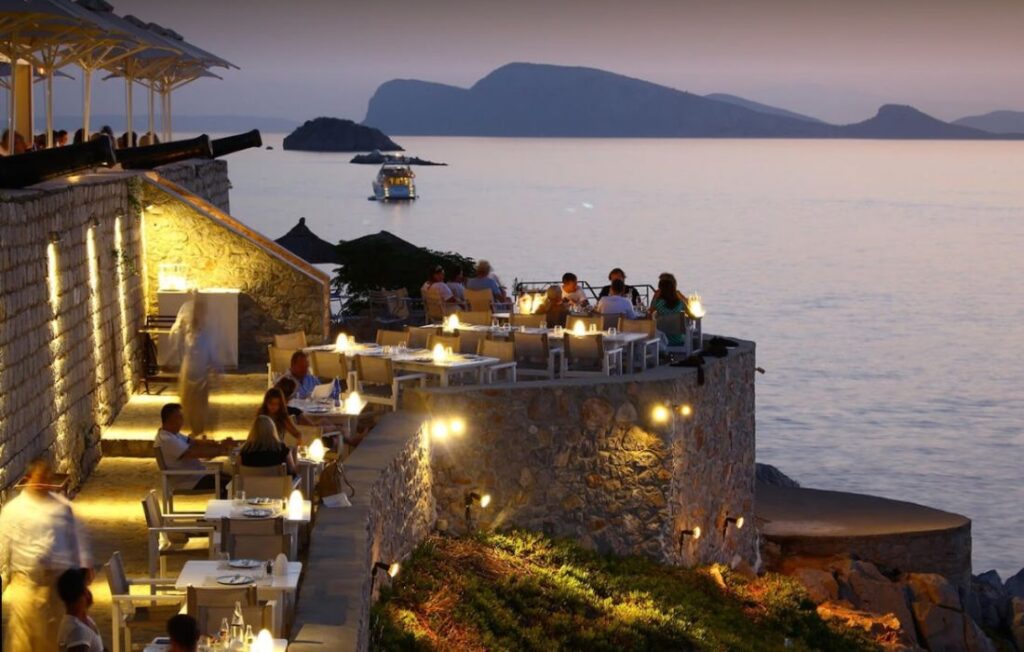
{"x":395,"y":181}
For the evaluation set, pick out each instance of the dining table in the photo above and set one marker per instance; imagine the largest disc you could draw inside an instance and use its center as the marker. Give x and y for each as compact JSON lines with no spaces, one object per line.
{"x":218,"y":509}
{"x":162,"y":644}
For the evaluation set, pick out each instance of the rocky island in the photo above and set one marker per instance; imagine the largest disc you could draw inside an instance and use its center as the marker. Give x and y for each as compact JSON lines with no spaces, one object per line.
{"x":338,"y":135}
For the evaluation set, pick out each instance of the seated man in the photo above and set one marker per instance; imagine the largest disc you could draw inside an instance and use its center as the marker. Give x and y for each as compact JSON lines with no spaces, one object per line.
{"x":183,"y":630}
{"x":484,"y":280}
{"x":298,"y":371}
{"x":616,"y":303}
{"x":184,"y":453}
{"x":572,"y":294}
{"x":618,"y":274}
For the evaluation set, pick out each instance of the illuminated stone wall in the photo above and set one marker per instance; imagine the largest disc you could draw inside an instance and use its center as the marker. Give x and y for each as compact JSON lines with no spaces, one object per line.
{"x":279,"y":292}
{"x":585,"y":459}
{"x":69,"y":315}
{"x":208,"y":179}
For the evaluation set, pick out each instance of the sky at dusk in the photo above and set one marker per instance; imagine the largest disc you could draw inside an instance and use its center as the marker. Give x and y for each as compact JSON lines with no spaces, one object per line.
{"x":837,"y":60}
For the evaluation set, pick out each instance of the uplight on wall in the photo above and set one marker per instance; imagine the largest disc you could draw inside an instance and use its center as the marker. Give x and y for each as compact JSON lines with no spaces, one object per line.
{"x":692,"y":534}
{"x":441,"y":428}
{"x":472,"y":498}
{"x":737,"y":521}
{"x":391,"y":569}
{"x":662,"y":413}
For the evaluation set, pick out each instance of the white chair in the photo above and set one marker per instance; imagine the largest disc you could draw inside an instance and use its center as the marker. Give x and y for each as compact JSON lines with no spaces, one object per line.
{"x":210,"y":605}
{"x":168,"y":475}
{"x":674,"y":325}
{"x":648,"y":347}
{"x":264,"y":481}
{"x":469,"y":341}
{"x":172,"y":535}
{"x":534,"y":356}
{"x":378,"y":383}
{"x":135,"y":610}
{"x":585,"y":355}
{"x":279,"y":362}
{"x":480,"y":301}
{"x":260,"y":539}
{"x":505,"y":352}
{"x":293,"y":341}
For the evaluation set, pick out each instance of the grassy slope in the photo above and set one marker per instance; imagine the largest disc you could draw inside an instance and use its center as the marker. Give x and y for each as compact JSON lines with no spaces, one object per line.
{"x":521,"y":591}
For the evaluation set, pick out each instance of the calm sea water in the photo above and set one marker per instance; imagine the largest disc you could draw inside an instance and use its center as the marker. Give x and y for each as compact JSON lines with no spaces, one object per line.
{"x":881,"y":281}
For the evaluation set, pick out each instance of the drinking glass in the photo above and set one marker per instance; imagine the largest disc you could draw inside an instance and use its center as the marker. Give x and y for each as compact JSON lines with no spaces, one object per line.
{"x":593,"y":328}
{"x":495,"y":323}
{"x":612,"y":331}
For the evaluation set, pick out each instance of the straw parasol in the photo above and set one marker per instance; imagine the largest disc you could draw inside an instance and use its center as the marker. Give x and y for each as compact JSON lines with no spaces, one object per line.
{"x":305,"y":244}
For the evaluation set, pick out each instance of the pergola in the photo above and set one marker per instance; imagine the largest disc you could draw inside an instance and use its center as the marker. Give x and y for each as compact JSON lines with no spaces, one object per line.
{"x":47,"y":35}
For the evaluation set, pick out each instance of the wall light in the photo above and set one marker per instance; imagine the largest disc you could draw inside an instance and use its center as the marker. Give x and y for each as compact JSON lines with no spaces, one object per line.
{"x":662,"y":413}
{"x":473,"y":497}
{"x":440,"y":428}
{"x":685,"y":410}
{"x":55,"y":236}
{"x":734,"y":520}
{"x":391,"y":569}
{"x":693,"y":533}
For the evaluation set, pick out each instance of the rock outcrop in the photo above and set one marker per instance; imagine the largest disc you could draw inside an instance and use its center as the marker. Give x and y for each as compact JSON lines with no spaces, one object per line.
{"x":772,"y":476}
{"x":337,"y":135}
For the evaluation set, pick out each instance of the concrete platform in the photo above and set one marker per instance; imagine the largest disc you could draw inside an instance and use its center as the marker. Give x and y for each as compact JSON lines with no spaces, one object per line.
{"x":892,"y":534}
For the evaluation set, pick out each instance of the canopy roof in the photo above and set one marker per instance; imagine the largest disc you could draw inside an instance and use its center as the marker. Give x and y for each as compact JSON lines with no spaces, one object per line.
{"x":307,"y":245}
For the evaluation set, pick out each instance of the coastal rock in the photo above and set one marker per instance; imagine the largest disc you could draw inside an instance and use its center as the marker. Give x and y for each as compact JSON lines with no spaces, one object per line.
{"x":337,"y":135}
{"x":773,"y":477}
{"x":935,"y":589}
{"x":942,"y":629}
{"x":1015,"y":585}
{"x":993,"y":601}
{"x":882,"y":597}
{"x":821,"y":586}
{"x":885,"y":626}
{"x":1017,"y":622}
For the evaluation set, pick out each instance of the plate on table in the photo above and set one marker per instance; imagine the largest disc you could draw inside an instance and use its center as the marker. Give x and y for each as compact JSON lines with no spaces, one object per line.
{"x":245,"y":563}
{"x":260,"y":501}
{"x":235,"y":580}
{"x":317,"y":409}
{"x":257,"y":512}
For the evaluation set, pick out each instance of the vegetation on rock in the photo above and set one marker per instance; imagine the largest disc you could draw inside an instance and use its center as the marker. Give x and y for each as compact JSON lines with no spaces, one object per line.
{"x":522,"y":591}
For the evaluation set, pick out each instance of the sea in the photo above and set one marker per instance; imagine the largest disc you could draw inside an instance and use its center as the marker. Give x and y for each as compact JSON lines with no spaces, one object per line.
{"x":881,"y":280}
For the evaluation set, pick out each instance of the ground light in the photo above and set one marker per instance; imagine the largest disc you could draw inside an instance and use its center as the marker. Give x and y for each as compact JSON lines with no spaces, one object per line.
{"x":440,"y":428}
{"x":662,"y":413}
{"x":473,"y":497}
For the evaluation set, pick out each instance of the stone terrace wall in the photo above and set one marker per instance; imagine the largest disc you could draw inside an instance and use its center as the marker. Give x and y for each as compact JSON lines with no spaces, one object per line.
{"x":582,"y":459}
{"x":67,"y":366}
{"x":279,"y":292}
{"x":208,"y":179}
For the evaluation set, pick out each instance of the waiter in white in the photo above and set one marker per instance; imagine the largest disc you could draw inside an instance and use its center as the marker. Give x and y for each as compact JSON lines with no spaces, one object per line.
{"x":40,"y":538}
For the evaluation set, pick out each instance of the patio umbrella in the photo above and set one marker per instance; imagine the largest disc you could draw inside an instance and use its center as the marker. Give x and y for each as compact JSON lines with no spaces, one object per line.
{"x":307,"y":245}
{"x":384,"y":244}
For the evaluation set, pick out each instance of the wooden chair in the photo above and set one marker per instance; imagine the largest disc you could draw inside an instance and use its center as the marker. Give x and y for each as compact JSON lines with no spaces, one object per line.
{"x":130,"y":610}
{"x":210,"y":605}
{"x":474,"y":318}
{"x":258,"y":539}
{"x":392,"y":338}
{"x":390,"y":307}
{"x":598,"y":322}
{"x":265,"y":481}
{"x":280,"y":361}
{"x":505,"y":352}
{"x":530,"y":321}
{"x":610,"y":320}
{"x":167,"y":476}
{"x":469,"y":341}
{"x":480,"y":301}
{"x":648,"y":347}
{"x":291,"y":340}
{"x":586,"y":355}
{"x":418,"y":336}
{"x":174,"y":535}
{"x":378,"y":383}
{"x":534,"y":356}
{"x":447,"y":341}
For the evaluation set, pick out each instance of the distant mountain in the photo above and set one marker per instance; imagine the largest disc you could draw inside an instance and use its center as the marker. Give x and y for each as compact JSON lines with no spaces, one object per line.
{"x":337,"y":135}
{"x":214,"y":124}
{"x":996,"y":122}
{"x":906,"y":122}
{"x":522,"y":99}
{"x":536,"y":100}
{"x":760,"y":108}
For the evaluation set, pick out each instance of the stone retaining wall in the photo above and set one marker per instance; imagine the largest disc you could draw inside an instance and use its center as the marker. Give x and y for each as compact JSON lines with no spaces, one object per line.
{"x":70,"y":312}
{"x":208,"y":179}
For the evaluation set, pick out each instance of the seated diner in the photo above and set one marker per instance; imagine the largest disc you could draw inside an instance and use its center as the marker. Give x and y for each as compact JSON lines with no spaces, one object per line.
{"x":485,"y":280}
{"x":616,"y":302}
{"x":180,"y":452}
{"x":298,"y":371}
{"x":275,"y":407}
{"x":264,"y":448}
{"x":618,"y":275}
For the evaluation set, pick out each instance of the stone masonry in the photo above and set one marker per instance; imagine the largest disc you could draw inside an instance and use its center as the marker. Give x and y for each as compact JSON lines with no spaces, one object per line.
{"x":208,"y":179}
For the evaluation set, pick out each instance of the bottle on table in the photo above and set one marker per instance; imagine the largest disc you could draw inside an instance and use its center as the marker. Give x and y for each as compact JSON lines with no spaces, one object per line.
{"x":237,"y":623}
{"x":250,"y":638}
{"x":225,"y":631}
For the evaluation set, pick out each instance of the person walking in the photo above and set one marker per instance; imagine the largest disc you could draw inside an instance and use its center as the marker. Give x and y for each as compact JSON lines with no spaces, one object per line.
{"x":198,"y":370}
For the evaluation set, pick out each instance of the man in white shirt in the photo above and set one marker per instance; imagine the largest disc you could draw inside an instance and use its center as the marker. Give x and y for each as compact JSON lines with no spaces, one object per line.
{"x":181,"y":453}
{"x":616,"y":303}
{"x":77,"y":631}
{"x":572,"y":294}
{"x":40,"y":538}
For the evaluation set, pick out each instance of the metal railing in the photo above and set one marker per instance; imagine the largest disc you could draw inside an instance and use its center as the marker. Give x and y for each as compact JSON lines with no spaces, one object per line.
{"x":532,"y":287}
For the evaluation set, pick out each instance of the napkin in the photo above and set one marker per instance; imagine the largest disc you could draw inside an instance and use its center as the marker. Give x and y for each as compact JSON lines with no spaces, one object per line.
{"x":322,"y":391}
{"x":280,"y":565}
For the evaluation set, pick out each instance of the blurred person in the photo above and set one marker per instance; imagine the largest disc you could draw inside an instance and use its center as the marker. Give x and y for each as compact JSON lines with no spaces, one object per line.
{"x":275,"y":406}
{"x":485,"y":280}
{"x":264,"y":447}
{"x":298,"y":371}
{"x":77,"y":631}
{"x":618,"y":274}
{"x":198,"y":368}
{"x":40,"y":538}
{"x":60,"y":138}
{"x":183,"y":630}
{"x":553,"y":307}
{"x":149,"y":138}
{"x":20,"y":147}
{"x":79,"y":136}
{"x":572,"y":294}
{"x":616,"y":301}
{"x":435,"y":285}
{"x":181,"y":453}
{"x":457,"y":285}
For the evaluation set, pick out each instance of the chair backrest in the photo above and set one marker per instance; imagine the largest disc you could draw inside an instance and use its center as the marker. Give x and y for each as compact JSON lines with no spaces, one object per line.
{"x":418,"y":337}
{"x":646,"y":326}
{"x":392,"y":338}
{"x":598,"y":321}
{"x":260,"y":539}
{"x":330,"y":364}
{"x":265,"y":486}
{"x":151,"y":508}
{"x":531,"y":348}
{"x":610,"y":320}
{"x":469,"y":341}
{"x":398,"y":303}
{"x":161,"y":463}
{"x":447,"y":341}
{"x":480,"y":300}
{"x":476,"y":318}
{"x":434,"y":307}
{"x":585,"y":351}
{"x":503,"y":350}
{"x":375,"y":371}
{"x":280,"y":359}
{"x":291,"y":340}
{"x":263,"y":471}
{"x":210,"y":605}
{"x":117,"y":580}
{"x":671,"y":324}
{"x":530,"y":321}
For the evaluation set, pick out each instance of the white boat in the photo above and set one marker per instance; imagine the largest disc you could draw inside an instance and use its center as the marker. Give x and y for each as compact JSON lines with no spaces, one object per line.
{"x":395,"y":181}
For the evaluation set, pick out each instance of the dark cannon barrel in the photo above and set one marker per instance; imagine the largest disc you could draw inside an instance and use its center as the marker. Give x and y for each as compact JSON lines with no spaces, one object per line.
{"x":22,"y":170}
{"x":151,"y":156}
{"x":236,"y":143}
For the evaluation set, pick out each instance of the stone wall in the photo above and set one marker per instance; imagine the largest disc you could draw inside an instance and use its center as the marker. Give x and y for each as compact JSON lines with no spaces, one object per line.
{"x":208,"y":179}
{"x":71,"y":302}
{"x":584,"y":459}
{"x":279,"y":292}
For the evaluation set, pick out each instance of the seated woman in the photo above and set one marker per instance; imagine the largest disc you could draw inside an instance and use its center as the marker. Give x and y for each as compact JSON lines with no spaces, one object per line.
{"x":264,"y":448}
{"x":276,"y":407}
{"x":553,"y":307}
{"x":288,"y":386}
{"x":668,"y":301}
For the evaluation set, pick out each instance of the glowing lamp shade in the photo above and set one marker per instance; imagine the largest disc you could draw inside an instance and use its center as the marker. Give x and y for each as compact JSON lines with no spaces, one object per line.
{"x":316,"y":449}
{"x":343,"y":344}
{"x":660,"y":414}
{"x":685,"y":410}
{"x":485,"y":500}
{"x":739,"y":523}
{"x":694,"y":306}
{"x":354,"y":403}
{"x":438,"y":353}
{"x":457,"y":426}
{"x":393,"y":569}
{"x":295,"y":506}
{"x":579,"y":329}
{"x":264,"y":642}
{"x":696,"y":532}
{"x":451,"y":323}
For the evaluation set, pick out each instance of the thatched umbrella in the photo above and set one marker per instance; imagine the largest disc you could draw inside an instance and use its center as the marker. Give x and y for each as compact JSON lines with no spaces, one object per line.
{"x":308,"y":246}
